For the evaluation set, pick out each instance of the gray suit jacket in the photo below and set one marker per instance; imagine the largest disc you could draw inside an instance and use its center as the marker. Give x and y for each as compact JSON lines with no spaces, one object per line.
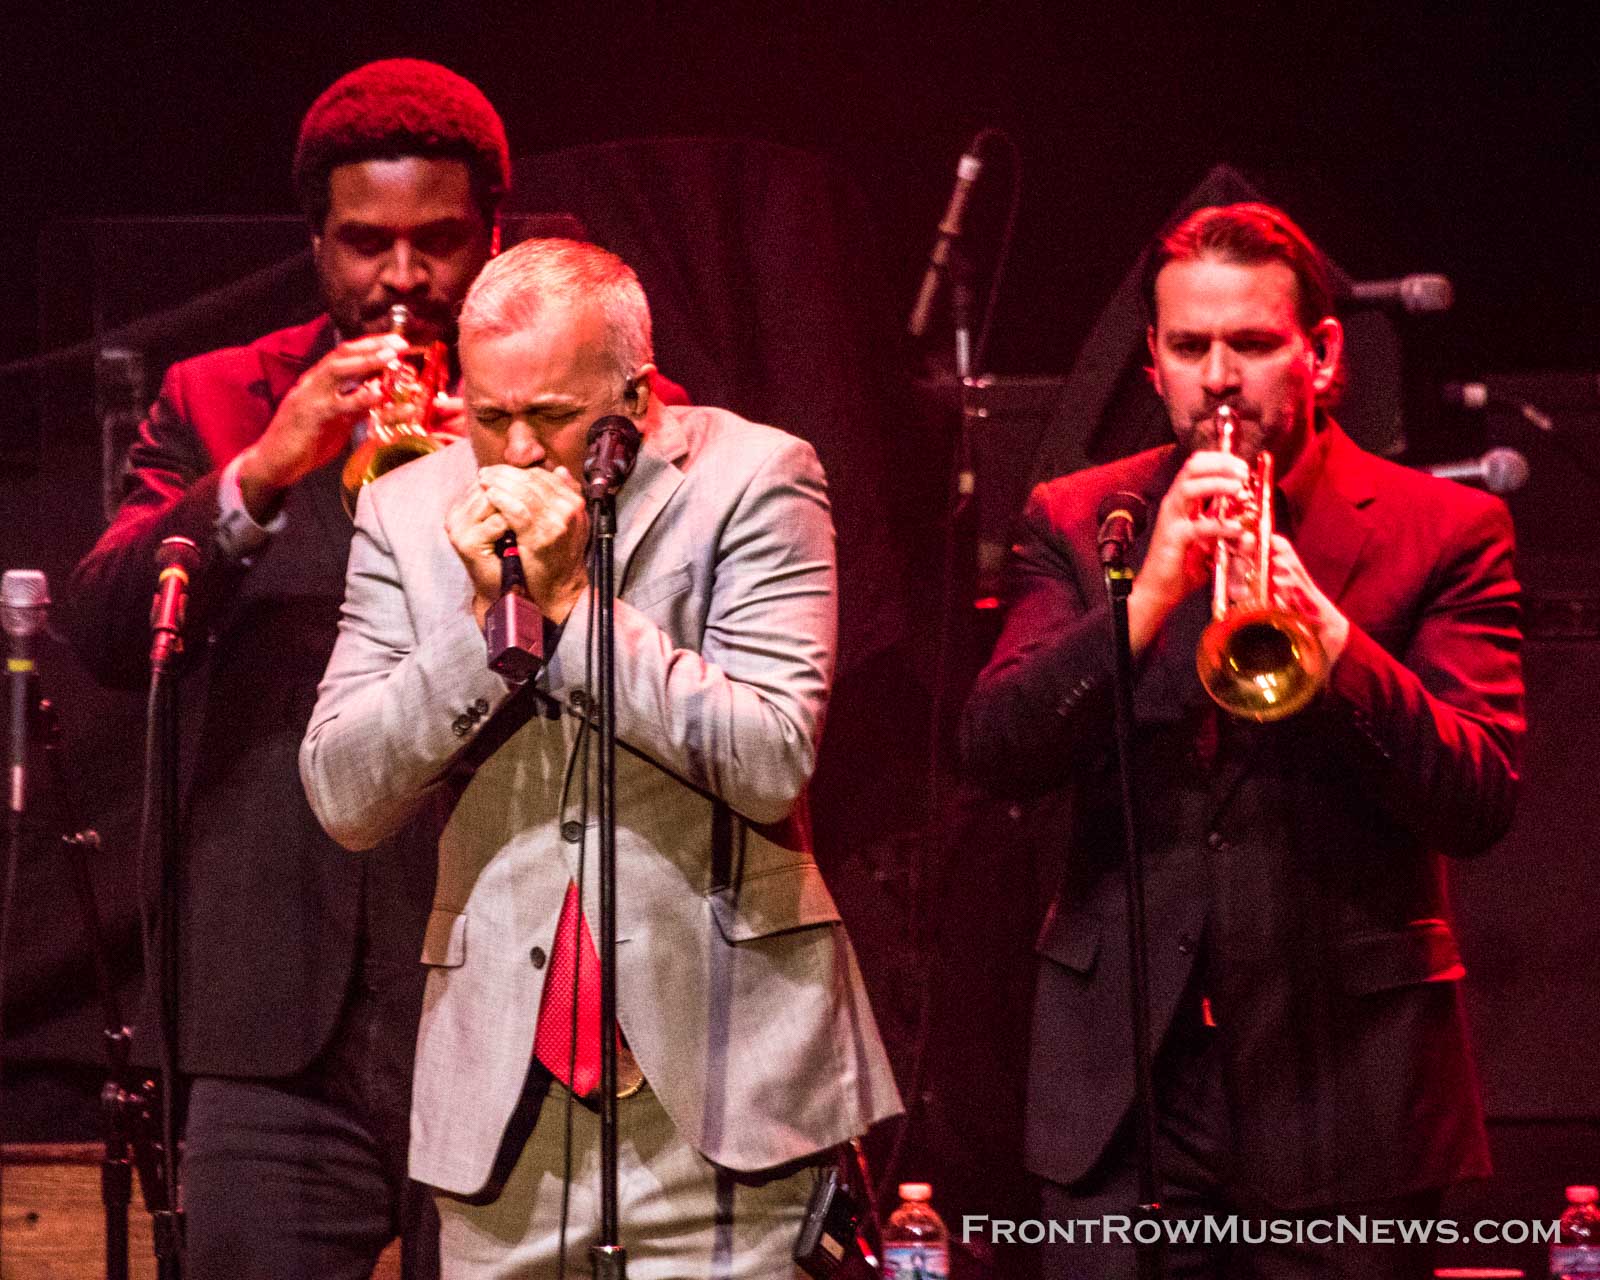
{"x":741,"y":1000}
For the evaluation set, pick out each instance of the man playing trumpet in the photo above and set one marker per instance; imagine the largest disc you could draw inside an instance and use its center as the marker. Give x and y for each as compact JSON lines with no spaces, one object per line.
{"x":299,"y":988}
{"x":1305,"y":1001}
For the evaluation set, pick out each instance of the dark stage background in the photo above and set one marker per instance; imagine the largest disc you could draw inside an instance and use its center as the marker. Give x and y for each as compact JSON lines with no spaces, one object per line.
{"x":1452,"y":138}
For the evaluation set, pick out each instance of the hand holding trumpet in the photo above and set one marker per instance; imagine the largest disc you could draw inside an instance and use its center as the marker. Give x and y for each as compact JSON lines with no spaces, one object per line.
{"x":313,"y":421}
{"x":1183,"y":540}
{"x":1274,"y":634}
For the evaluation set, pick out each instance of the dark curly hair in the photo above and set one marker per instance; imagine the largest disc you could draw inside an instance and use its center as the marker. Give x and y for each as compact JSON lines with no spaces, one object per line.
{"x":401,"y":107}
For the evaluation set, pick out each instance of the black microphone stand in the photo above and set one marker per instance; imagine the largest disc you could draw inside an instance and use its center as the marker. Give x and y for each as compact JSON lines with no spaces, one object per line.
{"x":176,"y":557}
{"x":1119,"y":582}
{"x":125,"y":1103}
{"x":608,"y":1256}
{"x":168,"y":1220}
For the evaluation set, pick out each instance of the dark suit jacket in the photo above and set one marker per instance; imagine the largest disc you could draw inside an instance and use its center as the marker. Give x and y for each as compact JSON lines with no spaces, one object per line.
{"x":275,"y":916}
{"x":1300,"y":865}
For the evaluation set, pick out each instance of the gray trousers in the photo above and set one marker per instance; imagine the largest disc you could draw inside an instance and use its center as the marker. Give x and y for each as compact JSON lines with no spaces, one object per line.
{"x":682,"y":1217}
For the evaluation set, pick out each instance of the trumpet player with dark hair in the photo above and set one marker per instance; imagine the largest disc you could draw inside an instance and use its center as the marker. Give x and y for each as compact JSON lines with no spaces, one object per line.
{"x":300,"y":988}
{"x":1311,"y":1056}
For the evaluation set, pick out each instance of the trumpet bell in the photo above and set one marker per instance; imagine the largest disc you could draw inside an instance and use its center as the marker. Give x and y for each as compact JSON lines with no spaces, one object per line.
{"x":1261,"y":664}
{"x":375,"y":457}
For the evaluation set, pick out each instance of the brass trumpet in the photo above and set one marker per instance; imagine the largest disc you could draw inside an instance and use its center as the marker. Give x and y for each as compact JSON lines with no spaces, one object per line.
{"x":1257,"y":661}
{"x":400,"y":425}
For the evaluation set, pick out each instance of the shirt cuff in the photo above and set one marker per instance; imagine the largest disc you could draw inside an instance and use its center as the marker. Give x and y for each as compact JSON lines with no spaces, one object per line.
{"x":239,"y":537}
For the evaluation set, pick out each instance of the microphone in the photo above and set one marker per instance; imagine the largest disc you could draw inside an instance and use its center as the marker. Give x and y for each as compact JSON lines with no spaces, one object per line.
{"x":177,"y":557}
{"x":1414,"y":293}
{"x":613,"y":446}
{"x":967,"y":170}
{"x":1122,"y":517}
{"x":1475,"y":395}
{"x":511,"y":576}
{"x":1499,"y":471}
{"x":513,"y":629}
{"x":24,"y":601}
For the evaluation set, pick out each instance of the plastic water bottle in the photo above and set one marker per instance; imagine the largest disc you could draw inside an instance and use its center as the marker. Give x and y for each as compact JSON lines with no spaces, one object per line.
{"x":916,"y":1245}
{"x":1576,"y":1253}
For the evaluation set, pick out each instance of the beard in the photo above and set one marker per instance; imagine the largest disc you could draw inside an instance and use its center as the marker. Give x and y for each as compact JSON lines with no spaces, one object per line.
{"x":431,"y":318}
{"x":1252,"y":431}
{"x":360,"y":315}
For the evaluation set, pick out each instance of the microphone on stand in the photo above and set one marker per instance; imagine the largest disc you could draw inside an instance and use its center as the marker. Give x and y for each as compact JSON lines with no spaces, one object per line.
{"x":1122,"y":518}
{"x":967,"y":170}
{"x":24,"y":602}
{"x":613,"y":447}
{"x":1499,"y":471}
{"x":177,"y":557}
{"x":1413,"y":293}
{"x":1475,"y":395}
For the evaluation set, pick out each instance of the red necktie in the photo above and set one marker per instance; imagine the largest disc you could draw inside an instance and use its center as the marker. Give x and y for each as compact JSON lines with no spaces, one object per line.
{"x":552,"y":1041}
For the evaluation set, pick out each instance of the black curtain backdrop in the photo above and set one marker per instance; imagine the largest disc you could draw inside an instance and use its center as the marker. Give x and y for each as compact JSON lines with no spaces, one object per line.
{"x":766,"y":286}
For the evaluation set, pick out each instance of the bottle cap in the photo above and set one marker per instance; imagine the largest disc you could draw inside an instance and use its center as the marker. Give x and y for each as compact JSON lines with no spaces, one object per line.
{"x":1582,"y":1195}
{"x":916,"y":1191}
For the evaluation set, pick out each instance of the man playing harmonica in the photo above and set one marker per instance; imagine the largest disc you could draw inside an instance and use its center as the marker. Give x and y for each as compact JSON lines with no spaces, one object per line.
{"x":1304,"y":977}
{"x":749,"y":1048}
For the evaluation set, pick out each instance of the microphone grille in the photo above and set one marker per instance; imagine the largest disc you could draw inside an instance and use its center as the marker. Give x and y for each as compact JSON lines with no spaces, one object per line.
{"x":1504,"y":470}
{"x":180,"y":551}
{"x":1131,"y":504}
{"x":1469,"y":395}
{"x":1427,"y":293}
{"x":24,"y":598}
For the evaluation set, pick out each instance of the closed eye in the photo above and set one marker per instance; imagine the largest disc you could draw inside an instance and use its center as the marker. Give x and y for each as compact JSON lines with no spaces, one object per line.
{"x":1256,"y":345}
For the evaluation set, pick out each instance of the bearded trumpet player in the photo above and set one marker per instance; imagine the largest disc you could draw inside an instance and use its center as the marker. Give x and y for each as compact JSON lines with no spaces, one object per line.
{"x":1305,"y":999}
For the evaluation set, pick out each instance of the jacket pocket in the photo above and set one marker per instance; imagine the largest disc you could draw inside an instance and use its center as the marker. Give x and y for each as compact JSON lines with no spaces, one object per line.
{"x":663,"y":586}
{"x":444,"y":944}
{"x":1423,"y":951}
{"x":1071,"y":939}
{"x":773,"y":901}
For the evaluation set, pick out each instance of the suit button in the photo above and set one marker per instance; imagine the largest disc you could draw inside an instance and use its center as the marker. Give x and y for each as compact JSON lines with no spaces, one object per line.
{"x":1215,"y":840}
{"x":1185,"y":944}
{"x":537,"y":956}
{"x":461,"y":725}
{"x":481,"y":706}
{"x":571,"y":831}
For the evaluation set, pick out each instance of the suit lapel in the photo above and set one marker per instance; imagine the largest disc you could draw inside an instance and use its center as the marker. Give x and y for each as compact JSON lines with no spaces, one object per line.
{"x":656,"y":477}
{"x":1336,"y":523}
{"x":300,"y":348}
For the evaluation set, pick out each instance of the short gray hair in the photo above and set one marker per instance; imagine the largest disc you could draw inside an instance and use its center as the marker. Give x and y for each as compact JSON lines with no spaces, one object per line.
{"x":514,"y":288}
